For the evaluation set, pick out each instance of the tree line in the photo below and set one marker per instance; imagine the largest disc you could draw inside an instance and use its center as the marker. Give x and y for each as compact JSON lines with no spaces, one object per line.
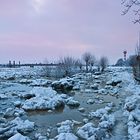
{"x":67,"y":66}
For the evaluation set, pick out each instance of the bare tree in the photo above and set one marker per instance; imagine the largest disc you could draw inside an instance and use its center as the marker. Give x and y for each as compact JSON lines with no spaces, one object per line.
{"x":137,"y":50}
{"x":66,"y":66}
{"x":103,"y":63}
{"x":135,"y":63}
{"x":78,"y":63}
{"x":87,"y":58}
{"x":132,"y":60}
{"x":134,"y":6}
{"x":92,"y":62}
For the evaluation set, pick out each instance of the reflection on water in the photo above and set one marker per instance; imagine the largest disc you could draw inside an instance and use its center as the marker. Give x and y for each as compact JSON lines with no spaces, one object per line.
{"x":46,"y":112}
{"x":48,"y":119}
{"x":52,"y":118}
{"x":45,"y":119}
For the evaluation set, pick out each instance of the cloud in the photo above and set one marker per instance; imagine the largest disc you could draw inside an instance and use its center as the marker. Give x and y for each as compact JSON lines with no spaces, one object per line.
{"x":38,"y":5}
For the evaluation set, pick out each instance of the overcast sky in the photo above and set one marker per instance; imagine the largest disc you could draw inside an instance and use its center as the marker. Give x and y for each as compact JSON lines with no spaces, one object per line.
{"x":33,"y":30}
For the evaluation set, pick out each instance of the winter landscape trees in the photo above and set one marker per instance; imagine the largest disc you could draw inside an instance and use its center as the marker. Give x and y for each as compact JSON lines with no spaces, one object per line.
{"x":68,"y":98}
{"x":67,"y":66}
{"x":103,"y":63}
{"x":134,"y":61}
{"x":132,"y":6}
{"x":87,"y":58}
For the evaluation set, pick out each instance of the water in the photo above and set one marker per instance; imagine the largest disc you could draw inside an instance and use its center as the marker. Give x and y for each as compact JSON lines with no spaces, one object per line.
{"x":45,"y":119}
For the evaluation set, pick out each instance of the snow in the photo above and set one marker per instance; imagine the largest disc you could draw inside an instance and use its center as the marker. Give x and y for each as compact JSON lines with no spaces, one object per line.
{"x":100,"y":112}
{"x":65,"y":131}
{"x":114,"y":82}
{"x":92,"y":138}
{"x":26,"y":95}
{"x":107,"y":122}
{"x":66,"y":127}
{"x":63,"y":84}
{"x":95,"y":86}
{"x":119,"y":83}
{"x":136,"y":115}
{"x":41,"y":82}
{"x":38,"y":136}
{"x":10,"y":112}
{"x":77,"y":87}
{"x":10,"y":128}
{"x":25,"y":81}
{"x":2,"y":96}
{"x":66,"y":136}
{"x":45,"y":98}
{"x":90,"y":101}
{"x":132,"y":103}
{"x":81,"y":109}
{"x":17,"y":103}
{"x":22,"y":72}
{"x":132,"y":111}
{"x":22,"y":125}
{"x":86,"y":131}
{"x":18,"y":136}
{"x":102,"y":91}
{"x":43,"y":103}
{"x":71,"y":102}
{"x":42,"y":91}
{"x":109,"y":87}
{"x":97,"y":77}
{"x":88,"y":91}
{"x":133,"y":131}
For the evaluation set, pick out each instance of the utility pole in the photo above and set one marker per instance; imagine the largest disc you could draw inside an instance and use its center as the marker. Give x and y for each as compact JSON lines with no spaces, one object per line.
{"x":125,"y":52}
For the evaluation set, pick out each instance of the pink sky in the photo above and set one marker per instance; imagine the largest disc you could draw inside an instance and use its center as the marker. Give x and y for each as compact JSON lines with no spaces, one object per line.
{"x":33,"y":30}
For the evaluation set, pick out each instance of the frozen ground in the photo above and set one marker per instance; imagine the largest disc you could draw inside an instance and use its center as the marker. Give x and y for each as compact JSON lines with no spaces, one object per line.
{"x":83,"y":107}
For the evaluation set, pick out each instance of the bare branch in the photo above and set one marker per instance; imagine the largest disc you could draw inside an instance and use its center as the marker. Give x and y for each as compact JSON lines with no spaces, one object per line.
{"x":134,"y":6}
{"x":103,"y":63}
{"x":87,"y":58}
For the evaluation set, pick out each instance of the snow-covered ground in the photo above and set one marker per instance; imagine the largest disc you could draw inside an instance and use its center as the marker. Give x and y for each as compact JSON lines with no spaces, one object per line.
{"x":84,"y":107}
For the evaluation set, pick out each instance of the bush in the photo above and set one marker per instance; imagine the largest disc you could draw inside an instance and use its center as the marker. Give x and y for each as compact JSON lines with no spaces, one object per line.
{"x":103,"y":63}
